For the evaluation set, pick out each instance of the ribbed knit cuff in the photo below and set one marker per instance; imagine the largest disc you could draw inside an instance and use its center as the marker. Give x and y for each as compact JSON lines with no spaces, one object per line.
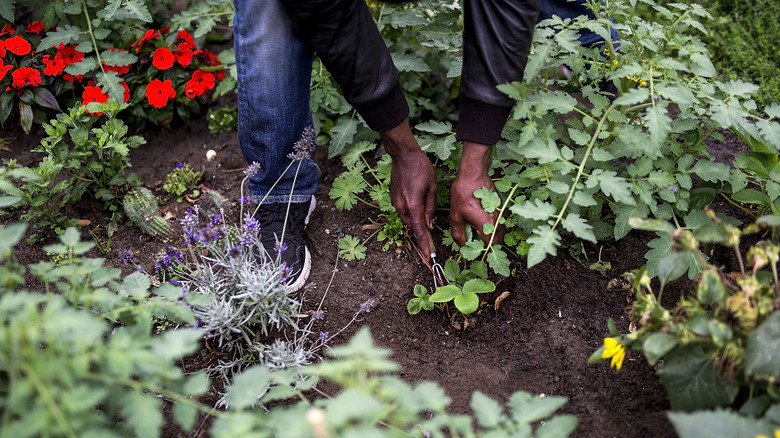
{"x":481,"y":122}
{"x":387,"y":112}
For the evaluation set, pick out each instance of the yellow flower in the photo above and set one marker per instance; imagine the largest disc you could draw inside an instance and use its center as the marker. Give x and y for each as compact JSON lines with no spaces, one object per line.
{"x":614,"y":63}
{"x":642,"y":83}
{"x":777,"y":434}
{"x":614,"y":349}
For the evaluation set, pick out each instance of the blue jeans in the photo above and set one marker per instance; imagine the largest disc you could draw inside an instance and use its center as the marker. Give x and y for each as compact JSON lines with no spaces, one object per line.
{"x":572,"y":9}
{"x":274,"y":79}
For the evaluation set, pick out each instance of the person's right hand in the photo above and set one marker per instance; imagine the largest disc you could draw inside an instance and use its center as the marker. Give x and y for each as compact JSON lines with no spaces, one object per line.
{"x":412,"y":185}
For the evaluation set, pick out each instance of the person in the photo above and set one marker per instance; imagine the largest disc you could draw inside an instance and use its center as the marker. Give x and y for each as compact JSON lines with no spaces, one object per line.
{"x":274,"y":44}
{"x":572,"y":9}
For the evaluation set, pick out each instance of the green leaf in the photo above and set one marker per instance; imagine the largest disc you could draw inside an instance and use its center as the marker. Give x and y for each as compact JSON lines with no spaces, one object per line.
{"x":692,"y":381}
{"x":490,"y":199}
{"x":409,"y":62}
{"x":7,"y":10}
{"x":658,"y":123}
{"x":345,"y":190}
{"x":487,"y":411}
{"x":185,"y":415}
{"x":137,"y":9}
{"x":143,"y":414}
{"x":612,"y":185}
{"x":558,"y":426}
{"x":86,"y":65}
{"x":543,"y":241}
{"x":350,"y":248}
{"x":536,"y":209}
{"x":633,"y":96}
{"x":10,"y":235}
{"x":445,"y":293}
{"x":65,"y":34}
{"x":762,"y":356}
{"x":559,"y":101}
{"x":472,"y":249}
{"x":341,"y":135}
{"x":478,"y":286}
{"x":174,"y":344}
{"x":435,"y":127}
{"x":467,"y":303}
{"x":709,"y":170}
{"x":720,"y":423}
{"x":671,"y":267}
{"x":414,"y":306}
{"x":44,"y":98}
{"x":751,"y":196}
{"x":657,"y":345}
{"x":247,"y":387}
{"x":528,"y":409}
{"x":25,"y":116}
{"x":498,"y":260}
{"x":543,"y":151}
{"x":579,"y":227}
{"x":710,"y":289}
{"x":580,"y":137}
{"x":111,"y":83}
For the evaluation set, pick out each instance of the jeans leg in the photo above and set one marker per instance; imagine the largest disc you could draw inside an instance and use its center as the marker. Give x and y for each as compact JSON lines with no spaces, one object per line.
{"x":274,"y":75}
{"x":572,"y":9}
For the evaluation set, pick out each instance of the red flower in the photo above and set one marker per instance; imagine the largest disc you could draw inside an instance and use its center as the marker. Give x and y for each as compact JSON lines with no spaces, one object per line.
{"x":4,"y":69}
{"x":163,"y":58}
{"x":54,"y":66}
{"x":184,"y":35}
{"x":149,"y":35}
{"x":158,"y":93}
{"x":70,"y":78}
{"x":36,"y":27}
{"x":26,"y":76}
{"x":184,"y":54}
{"x":211,"y":60}
{"x":119,"y":69}
{"x":127,"y":91}
{"x":17,"y":45}
{"x":69,"y":54}
{"x":7,"y":30}
{"x":93,"y":94}
{"x":201,"y":82}
{"x":2,"y":49}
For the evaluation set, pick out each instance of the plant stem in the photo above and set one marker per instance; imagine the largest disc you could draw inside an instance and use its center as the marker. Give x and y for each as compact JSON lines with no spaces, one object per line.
{"x":92,"y":36}
{"x":500,"y":215}
{"x":581,"y":168}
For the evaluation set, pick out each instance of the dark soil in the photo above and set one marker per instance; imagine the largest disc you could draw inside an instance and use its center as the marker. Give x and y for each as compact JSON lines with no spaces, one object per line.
{"x":538,"y":341}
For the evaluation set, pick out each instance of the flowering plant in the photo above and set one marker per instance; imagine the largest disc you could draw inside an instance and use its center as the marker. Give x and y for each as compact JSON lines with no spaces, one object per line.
{"x":723,"y":339}
{"x":89,"y":53}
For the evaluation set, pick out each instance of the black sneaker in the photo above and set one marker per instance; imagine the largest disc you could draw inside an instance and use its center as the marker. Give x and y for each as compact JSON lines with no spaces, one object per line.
{"x":289,"y":249}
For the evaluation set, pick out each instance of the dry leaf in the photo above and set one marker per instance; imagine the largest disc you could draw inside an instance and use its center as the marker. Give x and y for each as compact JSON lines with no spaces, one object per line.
{"x":370,"y":227}
{"x":500,"y":299}
{"x":83,"y":222}
{"x":168,"y":216}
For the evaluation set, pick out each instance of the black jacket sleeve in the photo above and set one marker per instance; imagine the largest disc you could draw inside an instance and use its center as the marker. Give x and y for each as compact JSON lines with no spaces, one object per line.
{"x":344,"y":35}
{"x":496,"y":41}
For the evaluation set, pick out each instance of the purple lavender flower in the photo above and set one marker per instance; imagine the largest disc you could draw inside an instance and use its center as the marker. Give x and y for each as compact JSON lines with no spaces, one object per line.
{"x":189,"y":223}
{"x":367,"y":305}
{"x":179,"y":165}
{"x":304,"y":146}
{"x":324,"y":336}
{"x":126,"y":256}
{"x":318,"y":315}
{"x":281,"y":247}
{"x":252,"y":169}
{"x":234,"y":252}
{"x":245,"y":199}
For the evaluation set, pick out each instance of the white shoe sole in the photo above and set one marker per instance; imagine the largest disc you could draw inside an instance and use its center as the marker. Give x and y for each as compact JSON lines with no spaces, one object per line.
{"x":306,"y":269}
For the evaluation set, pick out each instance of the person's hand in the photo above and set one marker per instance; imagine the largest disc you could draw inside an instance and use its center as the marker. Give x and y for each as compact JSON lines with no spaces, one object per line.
{"x":412,"y":184}
{"x":465,"y":208}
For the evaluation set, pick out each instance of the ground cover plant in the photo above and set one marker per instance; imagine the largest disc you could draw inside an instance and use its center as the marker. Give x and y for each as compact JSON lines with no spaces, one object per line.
{"x":578,"y":160}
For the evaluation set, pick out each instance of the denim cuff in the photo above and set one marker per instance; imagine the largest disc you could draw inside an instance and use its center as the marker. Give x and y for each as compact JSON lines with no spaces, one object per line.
{"x":481,"y":122}
{"x":387,"y":112}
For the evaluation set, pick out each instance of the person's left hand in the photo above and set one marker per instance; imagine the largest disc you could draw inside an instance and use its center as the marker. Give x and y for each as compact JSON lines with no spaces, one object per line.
{"x":465,"y":208}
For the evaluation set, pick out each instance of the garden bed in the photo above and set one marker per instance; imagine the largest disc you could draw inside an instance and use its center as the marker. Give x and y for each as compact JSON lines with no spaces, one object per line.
{"x":538,"y":341}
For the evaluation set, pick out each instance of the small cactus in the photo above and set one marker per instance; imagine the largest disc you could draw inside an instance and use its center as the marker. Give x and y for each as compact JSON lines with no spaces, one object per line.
{"x":142,"y":208}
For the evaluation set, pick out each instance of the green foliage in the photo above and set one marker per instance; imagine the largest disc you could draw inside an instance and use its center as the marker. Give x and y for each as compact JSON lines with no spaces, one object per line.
{"x":421,"y":300}
{"x":350,"y":248}
{"x":463,"y":287}
{"x":722,"y":339}
{"x":181,"y":180}
{"x":373,"y":402}
{"x":83,"y":362}
{"x":724,"y":423}
{"x":94,"y":158}
{"x":222,"y":119}
{"x":140,"y":206}
{"x":741,"y":39}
